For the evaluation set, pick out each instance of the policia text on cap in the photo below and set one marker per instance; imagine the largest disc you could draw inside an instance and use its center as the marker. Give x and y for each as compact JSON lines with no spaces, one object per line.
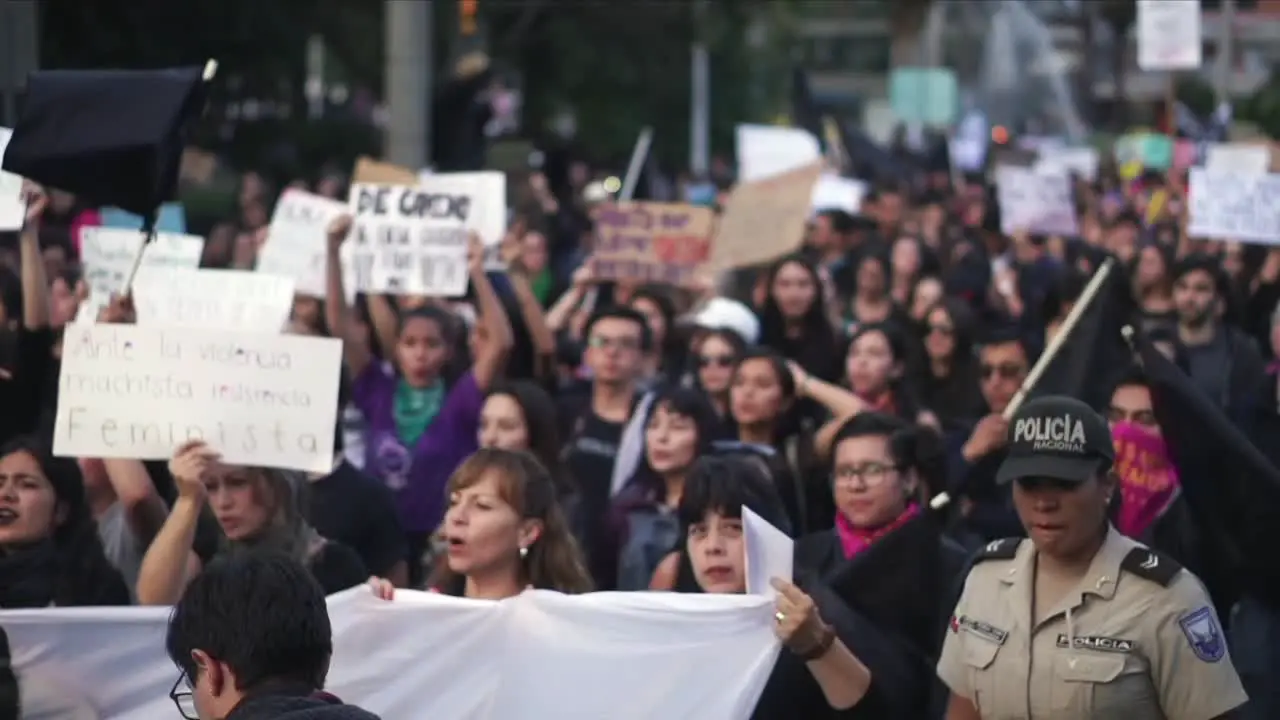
{"x":1079,"y":622}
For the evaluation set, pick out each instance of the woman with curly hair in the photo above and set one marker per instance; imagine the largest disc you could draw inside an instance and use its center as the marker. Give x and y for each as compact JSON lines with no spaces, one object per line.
{"x":50,"y":552}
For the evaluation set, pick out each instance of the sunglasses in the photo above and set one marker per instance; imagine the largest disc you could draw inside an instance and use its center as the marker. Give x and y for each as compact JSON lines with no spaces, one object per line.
{"x":722,"y":361}
{"x":1006,"y":371}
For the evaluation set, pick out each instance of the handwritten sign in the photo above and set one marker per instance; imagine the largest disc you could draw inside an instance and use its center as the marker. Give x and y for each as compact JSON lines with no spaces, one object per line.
{"x":651,"y":242}
{"x":297,"y":244}
{"x":228,"y":300}
{"x":1168,"y":34}
{"x":136,"y":392}
{"x":1232,"y":206}
{"x":764,"y":219}
{"x":1237,"y":158}
{"x":11,"y":208}
{"x":1034,"y":202}
{"x":486,"y":205}
{"x":1081,"y":161}
{"x":409,"y":241}
{"x":108,"y":253}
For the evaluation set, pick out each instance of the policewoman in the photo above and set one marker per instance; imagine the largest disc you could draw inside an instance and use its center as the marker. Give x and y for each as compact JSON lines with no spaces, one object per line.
{"x":1078,"y":621}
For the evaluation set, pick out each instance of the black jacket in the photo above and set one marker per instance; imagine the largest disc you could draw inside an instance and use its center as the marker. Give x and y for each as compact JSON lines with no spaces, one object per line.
{"x":296,"y":704}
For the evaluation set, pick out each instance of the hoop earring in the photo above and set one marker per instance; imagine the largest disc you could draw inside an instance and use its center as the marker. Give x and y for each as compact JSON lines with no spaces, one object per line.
{"x":524,"y":553}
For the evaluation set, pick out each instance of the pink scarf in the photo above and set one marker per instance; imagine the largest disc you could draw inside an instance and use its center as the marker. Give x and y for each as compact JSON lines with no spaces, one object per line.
{"x":1148,"y":478}
{"x":855,"y":540}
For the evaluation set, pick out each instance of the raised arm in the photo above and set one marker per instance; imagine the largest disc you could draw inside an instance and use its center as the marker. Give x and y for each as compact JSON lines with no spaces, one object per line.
{"x":170,"y":563}
{"x":337,"y":311}
{"x":535,"y":320}
{"x":491,"y":355}
{"x":35,"y":286}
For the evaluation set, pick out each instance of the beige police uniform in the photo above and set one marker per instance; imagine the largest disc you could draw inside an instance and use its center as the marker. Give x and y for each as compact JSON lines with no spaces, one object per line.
{"x":1137,"y":639}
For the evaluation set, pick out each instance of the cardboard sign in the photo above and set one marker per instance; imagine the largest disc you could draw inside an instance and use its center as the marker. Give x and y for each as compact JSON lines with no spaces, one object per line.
{"x":408,"y":241}
{"x":127,"y":391}
{"x":376,"y":172}
{"x":651,"y":242}
{"x":1232,"y":206}
{"x":764,"y":219}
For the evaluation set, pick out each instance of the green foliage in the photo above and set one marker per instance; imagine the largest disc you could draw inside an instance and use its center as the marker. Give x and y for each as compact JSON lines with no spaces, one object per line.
{"x":1262,"y":109}
{"x":1196,"y":94}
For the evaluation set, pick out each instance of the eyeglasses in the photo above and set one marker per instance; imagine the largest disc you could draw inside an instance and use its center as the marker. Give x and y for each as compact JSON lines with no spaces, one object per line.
{"x":183,"y":698}
{"x":872,"y":474}
{"x":601,"y":342}
{"x":724,"y":361}
{"x":1006,"y":371}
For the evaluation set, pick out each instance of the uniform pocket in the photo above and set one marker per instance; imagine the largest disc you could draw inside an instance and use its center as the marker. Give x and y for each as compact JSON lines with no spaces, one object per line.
{"x":979,"y":656}
{"x":1099,"y":686}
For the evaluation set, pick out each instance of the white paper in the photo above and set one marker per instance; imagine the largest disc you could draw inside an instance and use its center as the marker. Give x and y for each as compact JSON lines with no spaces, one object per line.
{"x":621,"y":656}
{"x":1169,"y":34}
{"x":833,"y":192}
{"x":227,"y":300}
{"x":137,"y":392}
{"x":770,"y":554}
{"x":1064,"y":161}
{"x":297,"y":243}
{"x":409,"y":241}
{"x":765,"y":150}
{"x":1230,"y":206}
{"x":487,"y":214}
{"x":1032,"y":202}
{"x":1237,"y":159}
{"x":11,"y":208}
{"x":107,"y":255}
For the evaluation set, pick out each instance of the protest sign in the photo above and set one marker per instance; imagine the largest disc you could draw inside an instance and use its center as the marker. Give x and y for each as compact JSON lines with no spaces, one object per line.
{"x":764,"y":151}
{"x":538,"y":655}
{"x":1036,"y":203}
{"x":764,"y":219}
{"x":486,"y":205}
{"x":651,"y":242}
{"x":1230,"y":206}
{"x":297,"y":242}
{"x":107,"y":255}
{"x":375,"y":172}
{"x":229,"y":300}
{"x":833,"y":192}
{"x":1168,"y":35}
{"x":11,"y":207}
{"x":408,"y":241}
{"x":1237,"y":158}
{"x":137,"y":392}
{"x":1081,"y":161}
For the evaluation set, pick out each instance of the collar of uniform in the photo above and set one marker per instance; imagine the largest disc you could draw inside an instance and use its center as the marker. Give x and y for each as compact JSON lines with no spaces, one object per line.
{"x":1099,"y":579}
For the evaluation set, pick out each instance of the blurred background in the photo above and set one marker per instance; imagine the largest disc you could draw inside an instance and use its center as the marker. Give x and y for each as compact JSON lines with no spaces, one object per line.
{"x":306,"y":84}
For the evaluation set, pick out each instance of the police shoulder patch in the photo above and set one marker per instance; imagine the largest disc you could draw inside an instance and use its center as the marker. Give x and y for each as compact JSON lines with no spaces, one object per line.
{"x":1151,"y":565}
{"x":1204,"y":634}
{"x":1004,"y":549}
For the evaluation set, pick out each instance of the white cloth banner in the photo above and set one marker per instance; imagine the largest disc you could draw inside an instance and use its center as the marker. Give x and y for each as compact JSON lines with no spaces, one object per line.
{"x":107,"y":256}
{"x":1231,"y":206}
{"x":11,"y":208}
{"x":1034,"y":202}
{"x":297,"y":242}
{"x":486,"y":213}
{"x":138,"y":392}
{"x":621,"y":656}
{"x":409,"y":241}
{"x":230,"y":300}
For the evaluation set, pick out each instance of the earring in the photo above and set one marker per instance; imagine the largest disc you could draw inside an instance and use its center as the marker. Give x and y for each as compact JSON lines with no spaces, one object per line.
{"x":524,"y":553}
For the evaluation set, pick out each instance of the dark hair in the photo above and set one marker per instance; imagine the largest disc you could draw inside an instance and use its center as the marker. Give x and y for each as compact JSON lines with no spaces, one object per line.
{"x":621,"y":312}
{"x":1209,"y":264}
{"x":261,"y":613}
{"x":815,"y":324}
{"x":1065,"y":290}
{"x":658,"y":295}
{"x":732,"y":338}
{"x":912,"y":447}
{"x":963,"y":325}
{"x":452,"y":330}
{"x":1005,"y":334}
{"x":1132,"y":376}
{"x":689,"y":403}
{"x":82,"y":576}
{"x":841,"y":221}
{"x":899,"y":387}
{"x":554,"y":562}
{"x":539,"y":412}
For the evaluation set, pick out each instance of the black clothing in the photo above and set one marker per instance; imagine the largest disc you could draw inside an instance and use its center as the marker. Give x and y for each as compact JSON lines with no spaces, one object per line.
{"x":41,"y":575}
{"x":24,"y":396}
{"x":296,"y":704}
{"x":352,"y":508}
{"x":337,"y":567}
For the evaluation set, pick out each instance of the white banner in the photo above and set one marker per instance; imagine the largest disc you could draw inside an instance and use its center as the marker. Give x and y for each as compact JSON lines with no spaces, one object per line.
{"x":107,"y":255}
{"x":228,"y":300}
{"x":1237,"y":159}
{"x":12,"y":211}
{"x":1231,"y":206}
{"x":137,"y":392}
{"x":1169,"y":34}
{"x":1064,"y":161}
{"x":621,"y":656}
{"x":487,"y":205}
{"x":1035,"y":202}
{"x":297,"y":240}
{"x":409,"y":241}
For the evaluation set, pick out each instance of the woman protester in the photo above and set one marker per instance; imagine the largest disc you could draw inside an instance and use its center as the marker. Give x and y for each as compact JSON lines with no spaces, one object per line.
{"x":257,"y":508}
{"x":1078,"y":621}
{"x":504,"y":532}
{"x":835,"y":664}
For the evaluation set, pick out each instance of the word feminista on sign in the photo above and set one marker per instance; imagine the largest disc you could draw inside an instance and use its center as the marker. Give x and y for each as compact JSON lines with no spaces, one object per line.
{"x":651,"y":242}
{"x":408,"y":241}
{"x":137,"y":392}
